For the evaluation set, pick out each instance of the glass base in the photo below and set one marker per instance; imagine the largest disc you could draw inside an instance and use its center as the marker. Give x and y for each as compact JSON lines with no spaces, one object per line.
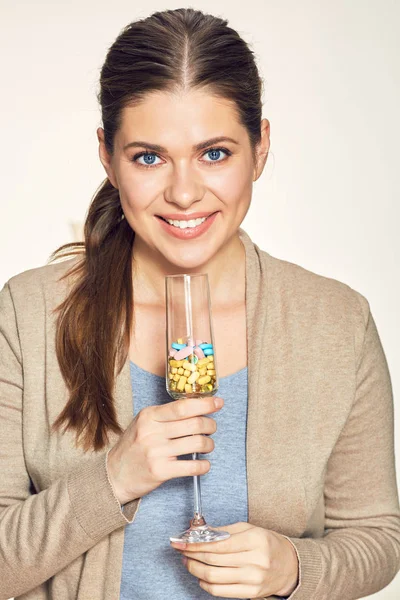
{"x":200,"y":534}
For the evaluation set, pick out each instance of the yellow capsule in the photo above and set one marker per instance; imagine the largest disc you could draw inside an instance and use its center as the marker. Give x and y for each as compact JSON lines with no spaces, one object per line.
{"x":173,"y":363}
{"x":210,"y":358}
{"x":211,"y":372}
{"x":177,"y":377}
{"x":203,"y":361}
{"x":181,"y":383}
{"x":172,"y":385}
{"x":174,"y":370}
{"x":186,"y":372}
{"x":203,"y":371}
{"x":210,"y":365}
{"x":203,"y":380}
{"x":209,"y":387}
{"x":189,"y":366}
{"x":188,"y":388}
{"x":170,"y":375}
{"x":179,"y":341}
{"x":180,"y":370}
{"x":194,"y":377}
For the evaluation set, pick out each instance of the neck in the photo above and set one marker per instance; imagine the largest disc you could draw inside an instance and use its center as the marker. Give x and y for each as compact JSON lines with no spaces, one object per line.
{"x":226,"y":274}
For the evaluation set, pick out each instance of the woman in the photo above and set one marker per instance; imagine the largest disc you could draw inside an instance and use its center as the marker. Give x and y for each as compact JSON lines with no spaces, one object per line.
{"x":303,"y":473}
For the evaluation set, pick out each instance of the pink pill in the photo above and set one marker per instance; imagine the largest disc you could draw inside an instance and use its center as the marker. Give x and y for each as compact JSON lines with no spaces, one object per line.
{"x":198,"y":352}
{"x":198,"y":342}
{"x":184,"y":353}
{"x":172,"y":352}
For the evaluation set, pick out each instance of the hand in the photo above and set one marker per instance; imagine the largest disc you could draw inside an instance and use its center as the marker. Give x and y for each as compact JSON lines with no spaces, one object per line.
{"x":253,"y":563}
{"x":146,"y":453}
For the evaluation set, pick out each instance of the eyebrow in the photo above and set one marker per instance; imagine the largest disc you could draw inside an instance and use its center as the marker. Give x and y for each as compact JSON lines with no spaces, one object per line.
{"x":196,"y":147}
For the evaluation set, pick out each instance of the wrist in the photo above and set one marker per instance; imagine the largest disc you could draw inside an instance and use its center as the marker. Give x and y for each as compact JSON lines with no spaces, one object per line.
{"x":293,"y":569}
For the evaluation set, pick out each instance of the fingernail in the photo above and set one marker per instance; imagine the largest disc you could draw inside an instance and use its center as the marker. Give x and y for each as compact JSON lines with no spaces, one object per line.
{"x":218,"y":402}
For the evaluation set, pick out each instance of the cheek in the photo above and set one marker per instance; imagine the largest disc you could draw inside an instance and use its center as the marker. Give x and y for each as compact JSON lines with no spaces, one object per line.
{"x":235,"y":191}
{"x":136,"y":192}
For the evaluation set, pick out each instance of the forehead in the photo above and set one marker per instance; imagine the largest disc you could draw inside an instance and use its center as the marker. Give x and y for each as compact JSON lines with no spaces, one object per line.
{"x":187,"y":117}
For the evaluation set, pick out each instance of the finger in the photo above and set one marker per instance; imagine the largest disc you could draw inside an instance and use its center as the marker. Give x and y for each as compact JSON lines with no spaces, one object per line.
{"x":230,"y":591}
{"x":193,"y":443}
{"x":192,"y":426}
{"x":234,"y":559}
{"x":185,"y":409}
{"x":221,"y":575}
{"x":235,"y":527}
{"x":238,"y":542}
{"x":188,"y":468}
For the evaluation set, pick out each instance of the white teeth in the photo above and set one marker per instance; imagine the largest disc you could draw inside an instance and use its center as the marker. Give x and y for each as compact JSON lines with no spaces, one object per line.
{"x":185,"y":224}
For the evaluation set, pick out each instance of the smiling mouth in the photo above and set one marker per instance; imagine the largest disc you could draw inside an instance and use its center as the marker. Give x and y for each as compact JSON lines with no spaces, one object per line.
{"x":189,"y":224}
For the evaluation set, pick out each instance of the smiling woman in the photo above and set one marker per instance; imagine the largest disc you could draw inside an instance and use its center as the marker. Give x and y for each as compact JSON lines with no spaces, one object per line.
{"x":94,"y":457}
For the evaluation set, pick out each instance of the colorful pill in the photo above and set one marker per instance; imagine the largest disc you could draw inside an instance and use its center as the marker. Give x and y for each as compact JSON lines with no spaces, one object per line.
{"x":211,"y":372}
{"x":204,"y":361}
{"x":189,"y":366}
{"x":175,"y":363}
{"x":193,"y":377}
{"x":188,"y":388}
{"x":203,"y":380}
{"x":178,"y":346}
{"x":208,"y":352}
{"x":186,"y":373}
{"x":184,"y":352}
{"x":210,"y":365}
{"x":180,"y":340}
{"x":198,"y":352}
{"x":181,"y":383}
{"x":176,"y":377}
{"x":172,"y":352}
{"x":205,"y":346}
{"x":180,"y":370}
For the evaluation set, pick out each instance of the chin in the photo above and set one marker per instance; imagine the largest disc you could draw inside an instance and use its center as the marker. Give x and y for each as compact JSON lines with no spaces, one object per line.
{"x":186,"y":260}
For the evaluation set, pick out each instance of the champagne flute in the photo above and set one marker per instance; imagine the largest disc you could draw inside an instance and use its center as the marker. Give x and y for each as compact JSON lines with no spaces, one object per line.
{"x":191,"y":368}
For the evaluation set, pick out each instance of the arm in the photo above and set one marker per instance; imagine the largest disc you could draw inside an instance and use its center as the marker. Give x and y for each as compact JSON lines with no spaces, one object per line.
{"x":360,"y":551}
{"x":42,"y":533}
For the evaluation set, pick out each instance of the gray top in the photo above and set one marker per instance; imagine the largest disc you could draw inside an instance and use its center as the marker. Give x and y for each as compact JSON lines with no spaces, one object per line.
{"x":151,"y":568}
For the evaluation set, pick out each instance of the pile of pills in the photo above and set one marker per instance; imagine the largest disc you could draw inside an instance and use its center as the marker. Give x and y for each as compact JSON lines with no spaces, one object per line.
{"x":191,"y":367}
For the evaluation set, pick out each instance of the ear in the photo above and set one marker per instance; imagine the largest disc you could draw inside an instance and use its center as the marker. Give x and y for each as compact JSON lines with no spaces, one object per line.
{"x":262,"y":149}
{"x":105,"y":158}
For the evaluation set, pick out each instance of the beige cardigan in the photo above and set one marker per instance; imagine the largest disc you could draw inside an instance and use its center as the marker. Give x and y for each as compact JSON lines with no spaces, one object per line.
{"x":320,"y":448}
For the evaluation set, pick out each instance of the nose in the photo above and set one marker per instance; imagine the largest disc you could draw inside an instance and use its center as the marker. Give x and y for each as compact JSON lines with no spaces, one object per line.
{"x":184,"y":188}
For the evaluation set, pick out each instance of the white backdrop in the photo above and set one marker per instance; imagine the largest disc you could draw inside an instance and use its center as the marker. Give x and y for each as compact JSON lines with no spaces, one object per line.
{"x":328,"y":198}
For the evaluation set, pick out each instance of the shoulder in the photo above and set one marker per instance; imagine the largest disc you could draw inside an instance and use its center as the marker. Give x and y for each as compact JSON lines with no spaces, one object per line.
{"x":313,"y":303}
{"x":40,"y":286}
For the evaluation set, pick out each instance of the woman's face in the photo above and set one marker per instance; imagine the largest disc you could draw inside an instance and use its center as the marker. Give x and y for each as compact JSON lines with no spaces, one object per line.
{"x":202,"y":187}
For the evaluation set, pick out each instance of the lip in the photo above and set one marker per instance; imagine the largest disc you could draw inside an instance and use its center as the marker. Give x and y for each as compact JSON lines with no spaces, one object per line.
{"x":187,"y":216}
{"x":190,"y":232}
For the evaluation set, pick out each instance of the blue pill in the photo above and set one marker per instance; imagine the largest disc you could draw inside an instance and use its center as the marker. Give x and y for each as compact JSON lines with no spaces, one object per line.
{"x":205,"y":346}
{"x":208,"y":352}
{"x":178,"y":346}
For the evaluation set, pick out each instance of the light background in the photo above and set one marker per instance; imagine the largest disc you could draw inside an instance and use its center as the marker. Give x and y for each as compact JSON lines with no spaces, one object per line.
{"x":328,"y":198}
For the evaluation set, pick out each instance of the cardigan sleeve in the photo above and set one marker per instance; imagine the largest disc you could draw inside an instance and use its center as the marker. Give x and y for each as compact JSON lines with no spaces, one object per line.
{"x":359,"y":553}
{"x":41,"y":533}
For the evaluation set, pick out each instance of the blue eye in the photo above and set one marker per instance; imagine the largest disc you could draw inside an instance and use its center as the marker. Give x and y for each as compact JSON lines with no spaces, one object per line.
{"x":146,"y":155}
{"x":214,"y":152}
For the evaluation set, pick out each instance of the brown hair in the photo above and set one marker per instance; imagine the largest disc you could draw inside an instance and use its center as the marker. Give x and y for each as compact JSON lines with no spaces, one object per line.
{"x":167,"y":51}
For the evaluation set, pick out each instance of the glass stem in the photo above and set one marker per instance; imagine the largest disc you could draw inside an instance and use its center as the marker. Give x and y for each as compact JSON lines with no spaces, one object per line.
{"x":198,"y":519}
